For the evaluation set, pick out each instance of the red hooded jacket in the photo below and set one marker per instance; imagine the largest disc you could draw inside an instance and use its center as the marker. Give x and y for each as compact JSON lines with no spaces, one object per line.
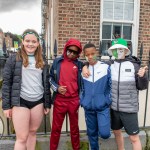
{"x":69,"y":73}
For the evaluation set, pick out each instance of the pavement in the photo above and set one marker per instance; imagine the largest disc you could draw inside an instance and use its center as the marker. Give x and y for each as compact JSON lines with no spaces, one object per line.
{"x":65,"y":144}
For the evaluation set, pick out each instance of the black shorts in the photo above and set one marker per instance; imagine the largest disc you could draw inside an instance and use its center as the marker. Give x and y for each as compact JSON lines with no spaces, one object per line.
{"x":127,"y":120}
{"x":28,"y":104}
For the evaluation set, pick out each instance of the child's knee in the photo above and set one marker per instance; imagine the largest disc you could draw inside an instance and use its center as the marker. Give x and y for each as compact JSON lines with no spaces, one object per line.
{"x":105,"y":135}
{"x":134,"y":138}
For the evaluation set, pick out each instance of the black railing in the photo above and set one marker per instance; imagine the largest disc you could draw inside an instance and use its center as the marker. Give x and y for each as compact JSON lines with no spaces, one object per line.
{"x":45,"y":130}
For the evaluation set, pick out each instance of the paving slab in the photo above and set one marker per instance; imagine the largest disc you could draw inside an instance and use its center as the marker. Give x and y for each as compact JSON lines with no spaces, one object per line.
{"x":65,"y":142}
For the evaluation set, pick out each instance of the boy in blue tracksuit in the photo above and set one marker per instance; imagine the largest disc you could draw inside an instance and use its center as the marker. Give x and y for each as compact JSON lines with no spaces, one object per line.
{"x":95,"y":97}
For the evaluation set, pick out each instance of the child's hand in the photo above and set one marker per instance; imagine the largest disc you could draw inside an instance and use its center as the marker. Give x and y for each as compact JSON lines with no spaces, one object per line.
{"x":85,"y":72}
{"x":46,"y":111}
{"x":142,"y":71}
{"x":8,"y":113}
{"x":62,"y":90}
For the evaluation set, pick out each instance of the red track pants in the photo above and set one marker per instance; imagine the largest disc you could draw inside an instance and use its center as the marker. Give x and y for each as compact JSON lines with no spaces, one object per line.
{"x":59,"y":112}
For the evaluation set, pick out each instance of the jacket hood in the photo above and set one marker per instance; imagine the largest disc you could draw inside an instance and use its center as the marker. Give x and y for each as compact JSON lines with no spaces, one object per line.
{"x":134,"y":59}
{"x":72,"y":42}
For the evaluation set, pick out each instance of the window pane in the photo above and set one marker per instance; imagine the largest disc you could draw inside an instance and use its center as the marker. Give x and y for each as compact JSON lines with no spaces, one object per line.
{"x":127,"y":30}
{"x":108,"y":10}
{"x":105,"y":45}
{"x":118,"y":11}
{"x":128,"y":11}
{"x":106,"y":33}
{"x":129,"y":44}
{"x":118,"y":0}
{"x":131,"y":1}
{"x":116,"y":31}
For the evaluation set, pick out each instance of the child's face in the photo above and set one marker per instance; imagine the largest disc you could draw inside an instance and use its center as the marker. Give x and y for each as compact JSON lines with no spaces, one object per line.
{"x":72,"y":52}
{"x":119,"y":53}
{"x":91,"y":55}
{"x":30,"y":43}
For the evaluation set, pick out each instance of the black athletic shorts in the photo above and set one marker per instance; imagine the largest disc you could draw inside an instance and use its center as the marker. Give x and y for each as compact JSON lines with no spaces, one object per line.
{"x":28,"y":104}
{"x":127,"y":120}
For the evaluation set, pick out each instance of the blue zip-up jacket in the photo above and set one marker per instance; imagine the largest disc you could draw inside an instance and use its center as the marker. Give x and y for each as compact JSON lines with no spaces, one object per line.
{"x":96,"y":89}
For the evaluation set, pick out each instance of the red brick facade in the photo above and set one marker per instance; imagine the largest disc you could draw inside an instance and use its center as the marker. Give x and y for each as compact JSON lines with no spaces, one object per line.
{"x":144,"y":27}
{"x":81,"y":19}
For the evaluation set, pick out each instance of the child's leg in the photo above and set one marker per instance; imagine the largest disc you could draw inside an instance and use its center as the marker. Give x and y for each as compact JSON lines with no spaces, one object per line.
{"x":119,"y":139}
{"x":21,"y":119}
{"x":136,"y":143}
{"x":130,"y":123}
{"x":36,"y":116}
{"x":103,"y":118}
{"x":74,"y":128}
{"x":59,"y":112}
{"x":92,"y":129}
{"x":116,"y":125}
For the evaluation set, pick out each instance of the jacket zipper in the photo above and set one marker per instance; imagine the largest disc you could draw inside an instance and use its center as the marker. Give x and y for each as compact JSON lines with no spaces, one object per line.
{"x":118,"y":86}
{"x":93,"y":88}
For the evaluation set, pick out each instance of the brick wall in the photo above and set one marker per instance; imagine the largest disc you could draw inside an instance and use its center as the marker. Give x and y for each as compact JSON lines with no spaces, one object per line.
{"x":79,"y":19}
{"x":144,"y":27}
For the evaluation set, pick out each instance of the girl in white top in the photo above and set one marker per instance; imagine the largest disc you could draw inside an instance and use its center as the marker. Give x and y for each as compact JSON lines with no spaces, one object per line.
{"x":26,"y":87}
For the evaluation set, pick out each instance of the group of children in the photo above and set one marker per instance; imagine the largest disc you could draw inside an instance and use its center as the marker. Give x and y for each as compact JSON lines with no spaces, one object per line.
{"x":118,"y":82}
{"x":101,"y":88}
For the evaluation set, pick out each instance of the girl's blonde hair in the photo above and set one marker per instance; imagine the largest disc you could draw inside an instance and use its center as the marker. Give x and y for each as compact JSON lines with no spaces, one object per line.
{"x":21,"y":54}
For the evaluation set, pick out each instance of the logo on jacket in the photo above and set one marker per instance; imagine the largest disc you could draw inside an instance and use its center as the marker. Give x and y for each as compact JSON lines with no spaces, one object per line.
{"x":127,"y":70}
{"x":74,"y":67}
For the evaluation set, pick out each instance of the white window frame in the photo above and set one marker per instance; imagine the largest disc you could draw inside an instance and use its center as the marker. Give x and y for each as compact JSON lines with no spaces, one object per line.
{"x":135,"y":24}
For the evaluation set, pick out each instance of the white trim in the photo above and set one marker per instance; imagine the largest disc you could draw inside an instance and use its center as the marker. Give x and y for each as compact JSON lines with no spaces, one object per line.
{"x":135,"y":32}
{"x":118,"y":21}
{"x":101,"y":18}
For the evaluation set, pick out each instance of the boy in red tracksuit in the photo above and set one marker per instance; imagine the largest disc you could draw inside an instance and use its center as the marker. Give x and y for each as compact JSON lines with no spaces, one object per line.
{"x":65,"y":77}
